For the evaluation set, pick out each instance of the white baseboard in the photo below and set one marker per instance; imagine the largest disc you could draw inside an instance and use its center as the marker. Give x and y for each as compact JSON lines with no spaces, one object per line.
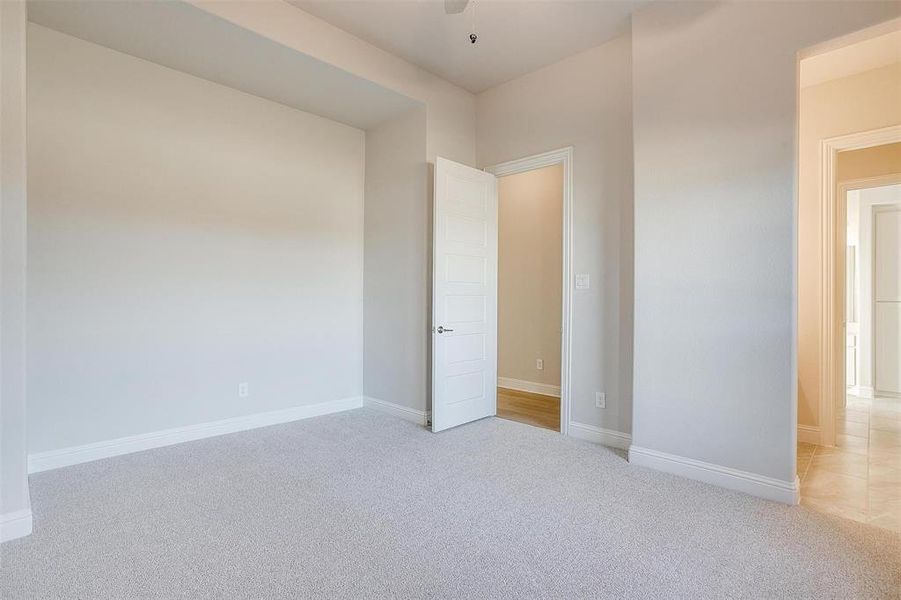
{"x":64,"y":457}
{"x":865,"y":392}
{"x":743,"y":481}
{"x":528,"y":386}
{"x":599,"y":435}
{"x":15,"y":524}
{"x":420,"y":417}
{"x":809,"y":434}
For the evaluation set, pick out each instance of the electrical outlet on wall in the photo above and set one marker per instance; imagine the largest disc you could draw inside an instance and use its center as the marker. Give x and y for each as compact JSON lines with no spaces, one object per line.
{"x":243,"y":389}
{"x":539,"y":364}
{"x":600,"y":400}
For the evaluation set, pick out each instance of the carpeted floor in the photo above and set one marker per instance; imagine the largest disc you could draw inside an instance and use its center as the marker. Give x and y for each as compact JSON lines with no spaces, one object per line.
{"x":363,"y":505}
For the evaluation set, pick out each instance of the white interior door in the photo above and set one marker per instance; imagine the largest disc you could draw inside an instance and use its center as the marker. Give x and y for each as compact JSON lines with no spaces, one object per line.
{"x":887,"y":287}
{"x":464,"y":295}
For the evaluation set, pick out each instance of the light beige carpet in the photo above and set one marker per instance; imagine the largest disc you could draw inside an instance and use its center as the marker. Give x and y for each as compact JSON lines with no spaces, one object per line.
{"x":361,"y":505}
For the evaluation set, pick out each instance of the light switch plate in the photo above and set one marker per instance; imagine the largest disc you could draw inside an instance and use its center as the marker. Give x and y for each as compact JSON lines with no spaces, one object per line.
{"x":583,"y":281}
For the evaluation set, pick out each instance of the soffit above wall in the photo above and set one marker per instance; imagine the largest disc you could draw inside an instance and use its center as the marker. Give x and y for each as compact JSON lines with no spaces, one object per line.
{"x":855,"y":58}
{"x":514,"y":38}
{"x":185,"y":38}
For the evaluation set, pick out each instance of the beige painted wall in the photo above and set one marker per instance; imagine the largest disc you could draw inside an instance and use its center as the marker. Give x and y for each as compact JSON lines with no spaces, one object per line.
{"x":868,"y":162}
{"x":584,"y":101}
{"x":861,"y":102}
{"x":530,"y":272}
{"x":183,"y":237}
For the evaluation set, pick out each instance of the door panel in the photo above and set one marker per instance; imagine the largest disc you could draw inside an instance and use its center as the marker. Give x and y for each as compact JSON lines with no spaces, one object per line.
{"x":888,"y":347}
{"x":851,"y":364}
{"x":887,"y":288}
{"x":464,"y":301}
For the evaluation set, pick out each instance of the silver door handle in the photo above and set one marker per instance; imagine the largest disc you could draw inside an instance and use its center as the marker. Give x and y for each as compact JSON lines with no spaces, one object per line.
{"x":441,"y":329}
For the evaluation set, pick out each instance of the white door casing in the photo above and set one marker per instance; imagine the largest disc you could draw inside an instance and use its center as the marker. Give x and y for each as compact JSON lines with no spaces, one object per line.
{"x":833,"y":239}
{"x":464,"y":295}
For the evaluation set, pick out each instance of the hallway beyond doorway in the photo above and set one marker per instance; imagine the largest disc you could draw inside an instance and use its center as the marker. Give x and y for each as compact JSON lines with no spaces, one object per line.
{"x":860,"y":477}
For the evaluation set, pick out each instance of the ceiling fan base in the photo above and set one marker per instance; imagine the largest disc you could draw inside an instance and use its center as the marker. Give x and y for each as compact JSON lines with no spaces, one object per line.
{"x":455,"y":7}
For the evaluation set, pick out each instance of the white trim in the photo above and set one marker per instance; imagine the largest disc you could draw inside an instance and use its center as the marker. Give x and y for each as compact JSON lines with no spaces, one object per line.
{"x":832,"y":230}
{"x":742,"y":481}
{"x":64,"y":457}
{"x":865,"y":391}
{"x":16,"y":524}
{"x":809,"y":434}
{"x":599,"y":435}
{"x":562,"y":156}
{"x":521,"y":385}
{"x":420,"y":417}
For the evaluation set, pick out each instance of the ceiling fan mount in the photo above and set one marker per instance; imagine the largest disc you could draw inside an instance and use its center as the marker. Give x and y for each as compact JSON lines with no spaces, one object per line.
{"x":455,"y":7}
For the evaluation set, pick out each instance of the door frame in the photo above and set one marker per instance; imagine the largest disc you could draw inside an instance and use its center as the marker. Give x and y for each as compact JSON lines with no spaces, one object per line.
{"x":833,"y":223}
{"x":561,"y":156}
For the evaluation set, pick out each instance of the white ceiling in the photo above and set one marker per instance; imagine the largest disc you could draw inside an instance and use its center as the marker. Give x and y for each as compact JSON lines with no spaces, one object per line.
{"x":872,"y":53}
{"x":182,"y":37}
{"x":514,"y":37}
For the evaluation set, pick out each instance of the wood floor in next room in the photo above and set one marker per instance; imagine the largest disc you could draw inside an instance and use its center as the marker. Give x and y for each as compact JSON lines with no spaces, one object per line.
{"x":860,"y":477}
{"x":529,"y":408}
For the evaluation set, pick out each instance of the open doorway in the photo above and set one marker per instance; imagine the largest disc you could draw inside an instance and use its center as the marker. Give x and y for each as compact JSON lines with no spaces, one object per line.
{"x":849,"y":256}
{"x":465,"y":291}
{"x":530,"y":296}
{"x":858,"y":476}
{"x":872,"y":295}
{"x":849,"y":296}
{"x":535,"y":203}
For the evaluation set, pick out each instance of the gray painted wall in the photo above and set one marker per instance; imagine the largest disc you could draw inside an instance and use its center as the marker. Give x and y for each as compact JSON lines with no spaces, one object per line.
{"x":715,"y":97}
{"x":397,"y":270}
{"x":13,"y":478}
{"x":184,"y":237}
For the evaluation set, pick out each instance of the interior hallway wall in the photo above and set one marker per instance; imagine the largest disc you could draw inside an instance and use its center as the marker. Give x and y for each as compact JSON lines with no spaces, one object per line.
{"x":183,"y":238}
{"x":861,"y":102}
{"x":15,"y":507}
{"x":530,"y":275}
{"x":715,"y":109}
{"x":396,"y":271}
{"x":584,"y":101}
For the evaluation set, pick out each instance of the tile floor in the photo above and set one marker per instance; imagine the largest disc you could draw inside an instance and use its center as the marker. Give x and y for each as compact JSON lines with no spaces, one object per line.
{"x":859,"y":478}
